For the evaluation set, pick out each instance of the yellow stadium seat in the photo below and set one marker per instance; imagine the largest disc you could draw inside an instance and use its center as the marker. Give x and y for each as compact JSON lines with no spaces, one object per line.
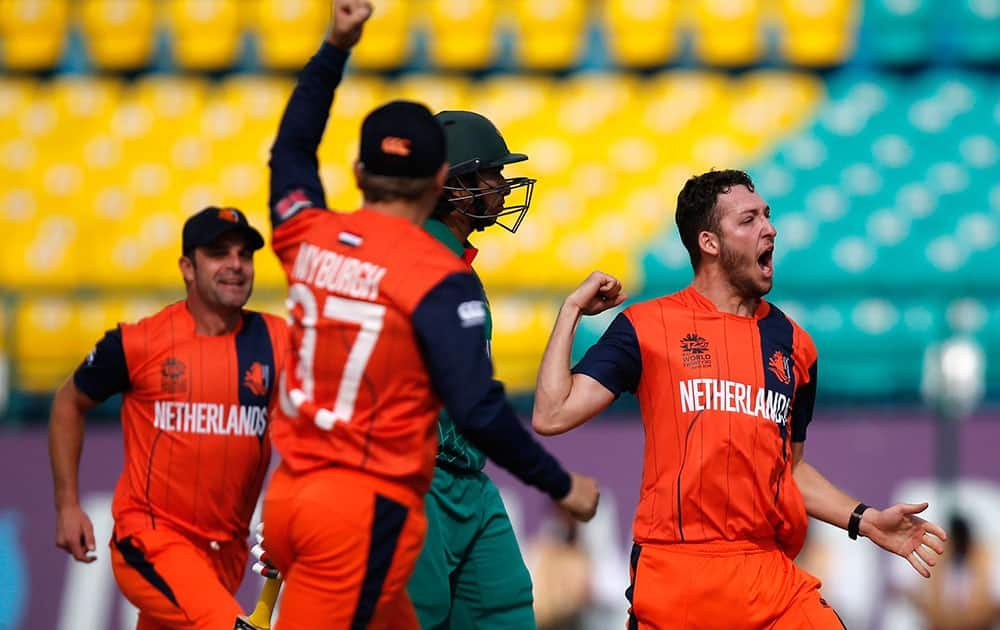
{"x":94,"y":317}
{"x":590,"y":100}
{"x":642,"y":33}
{"x":244,"y":185}
{"x":205,"y":35}
{"x":119,"y":34}
{"x":172,"y":97}
{"x":288,"y":32}
{"x":20,"y":210}
{"x":673,"y":100}
{"x":355,"y":98}
{"x":142,"y":252}
{"x":770,"y":103}
{"x":521,"y":329}
{"x":82,"y":98}
{"x":38,"y":122}
{"x":462,"y":34}
{"x":259,"y":97}
{"x":83,"y":108}
{"x":437,"y":92}
{"x":33,"y":33}
{"x":387,"y":41}
{"x":47,"y":255}
{"x":15,"y":95}
{"x":260,"y":102}
{"x":98,"y":315}
{"x":511,"y":101}
{"x":728,"y":32}
{"x":268,"y":300}
{"x":817,"y":32}
{"x":550,"y":35}
{"x":47,"y":343}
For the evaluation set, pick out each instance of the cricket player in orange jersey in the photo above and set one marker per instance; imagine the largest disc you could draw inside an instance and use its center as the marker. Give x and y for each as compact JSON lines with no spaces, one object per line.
{"x":387,"y":326}
{"x":197,"y":381}
{"x":726,"y":384}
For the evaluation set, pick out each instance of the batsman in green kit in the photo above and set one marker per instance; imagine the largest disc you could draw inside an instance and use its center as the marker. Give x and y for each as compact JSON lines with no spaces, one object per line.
{"x":470,"y":574}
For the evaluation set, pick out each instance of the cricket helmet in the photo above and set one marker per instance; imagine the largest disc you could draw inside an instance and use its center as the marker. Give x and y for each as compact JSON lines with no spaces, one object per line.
{"x":474,"y":144}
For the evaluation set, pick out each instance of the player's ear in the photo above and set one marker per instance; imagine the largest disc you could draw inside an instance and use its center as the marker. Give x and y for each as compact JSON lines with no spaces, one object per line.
{"x":357,"y":173}
{"x":186,"y":265}
{"x":441,"y":177}
{"x":708,"y":242}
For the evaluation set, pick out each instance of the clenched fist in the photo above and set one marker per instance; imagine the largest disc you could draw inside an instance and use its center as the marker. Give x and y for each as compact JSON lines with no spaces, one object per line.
{"x":581,"y":502}
{"x":348,"y":18}
{"x":598,"y":293}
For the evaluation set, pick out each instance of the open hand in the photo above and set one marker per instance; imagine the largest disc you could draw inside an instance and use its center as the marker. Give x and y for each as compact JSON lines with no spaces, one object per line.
{"x":899,"y":530}
{"x":349,"y":17}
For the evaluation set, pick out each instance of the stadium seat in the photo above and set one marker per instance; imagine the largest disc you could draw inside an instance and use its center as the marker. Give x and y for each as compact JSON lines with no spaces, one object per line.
{"x":204,"y":35}
{"x":728,"y":32}
{"x":900,"y":33}
{"x":437,"y":92}
{"x":462,"y":34}
{"x":513,"y":102}
{"x":269,"y":301}
{"x":47,"y":345}
{"x":158,"y":109}
{"x":520,"y":331}
{"x":119,"y":35}
{"x":33,"y":33}
{"x":976,"y":35}
{"x":817,"y":33}
{"x":288,"y":32}
{"x":642,"y":33}
{"x":388,"y":37}
{"x":550,"y":35}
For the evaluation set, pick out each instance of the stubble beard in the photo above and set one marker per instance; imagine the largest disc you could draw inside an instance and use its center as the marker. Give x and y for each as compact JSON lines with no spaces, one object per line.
{"x":739,"y":270}
{"x":218,"y":296}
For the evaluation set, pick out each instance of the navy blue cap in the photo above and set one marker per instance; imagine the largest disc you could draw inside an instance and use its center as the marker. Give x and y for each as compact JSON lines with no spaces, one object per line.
{"x":212,"y":222}
{"x":402,"y":139}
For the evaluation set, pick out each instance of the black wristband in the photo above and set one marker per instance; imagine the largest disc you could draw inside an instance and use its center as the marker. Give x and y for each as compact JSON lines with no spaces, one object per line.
{"x":855,"y":521}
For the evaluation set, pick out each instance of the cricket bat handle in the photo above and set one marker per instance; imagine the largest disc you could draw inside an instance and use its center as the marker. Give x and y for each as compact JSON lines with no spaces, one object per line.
{"x":260,"y":618}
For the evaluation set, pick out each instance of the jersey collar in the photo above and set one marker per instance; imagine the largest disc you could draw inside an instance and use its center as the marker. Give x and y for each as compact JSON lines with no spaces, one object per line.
{"x":446,"y":237}
{"x":706,"y":304}
{"x":192,"y":326}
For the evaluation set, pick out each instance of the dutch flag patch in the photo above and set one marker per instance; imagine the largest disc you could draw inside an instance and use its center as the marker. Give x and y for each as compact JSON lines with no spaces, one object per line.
{"x":349,"y":238}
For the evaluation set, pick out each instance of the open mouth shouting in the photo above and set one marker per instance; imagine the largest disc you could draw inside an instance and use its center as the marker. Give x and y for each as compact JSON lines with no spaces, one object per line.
{"x":765,"y":261}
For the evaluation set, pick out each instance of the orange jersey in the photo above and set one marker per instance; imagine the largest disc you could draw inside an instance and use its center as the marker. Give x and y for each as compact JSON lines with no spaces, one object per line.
{"x":194,"y":417}
{"x":722,"y":397}
{"x":357,"y":392}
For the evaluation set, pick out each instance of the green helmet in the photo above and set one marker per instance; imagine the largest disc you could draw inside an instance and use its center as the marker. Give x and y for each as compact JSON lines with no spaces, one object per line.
{"x":474,"y":144}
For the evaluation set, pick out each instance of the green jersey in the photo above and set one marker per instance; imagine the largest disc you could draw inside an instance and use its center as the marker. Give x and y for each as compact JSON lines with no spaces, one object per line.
{"x":454,"y":450}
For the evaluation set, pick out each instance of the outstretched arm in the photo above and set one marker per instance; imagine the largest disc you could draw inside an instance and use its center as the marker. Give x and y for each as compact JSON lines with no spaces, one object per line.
{"x":897,"y":529}
{"x":449,"y":326}
{"x":295,"y":181}
{"x":564,"y":400}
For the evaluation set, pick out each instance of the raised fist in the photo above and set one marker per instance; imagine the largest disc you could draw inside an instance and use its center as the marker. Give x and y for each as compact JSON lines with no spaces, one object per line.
{"x":348,"y":18}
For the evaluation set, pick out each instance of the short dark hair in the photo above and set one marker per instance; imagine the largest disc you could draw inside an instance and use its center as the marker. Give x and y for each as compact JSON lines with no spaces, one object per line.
{"x":696,"y":206}
{"x":381,"y":188}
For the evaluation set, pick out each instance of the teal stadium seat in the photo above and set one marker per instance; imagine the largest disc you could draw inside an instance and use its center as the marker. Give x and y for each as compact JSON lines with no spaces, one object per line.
{"x":901,"y":31}
{"x":888,"y":212}
{"x":978,"y":31}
